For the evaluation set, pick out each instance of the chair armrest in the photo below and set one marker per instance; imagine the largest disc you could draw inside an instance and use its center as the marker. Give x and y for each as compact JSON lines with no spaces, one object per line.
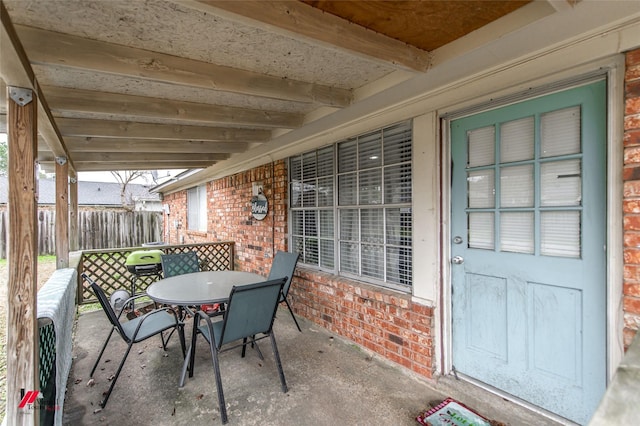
{"x":126,"y":302}
{"x":155,"y":311}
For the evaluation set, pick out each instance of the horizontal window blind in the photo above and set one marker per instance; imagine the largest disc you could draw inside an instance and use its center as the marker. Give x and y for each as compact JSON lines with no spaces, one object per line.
{"x":351,"y":206}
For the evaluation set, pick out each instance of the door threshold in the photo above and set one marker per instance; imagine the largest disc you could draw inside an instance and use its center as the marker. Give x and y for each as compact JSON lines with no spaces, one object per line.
{"x":496,"y":404}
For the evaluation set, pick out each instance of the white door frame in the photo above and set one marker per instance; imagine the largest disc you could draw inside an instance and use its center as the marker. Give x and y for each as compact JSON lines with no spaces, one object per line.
{"x":614,"y":69}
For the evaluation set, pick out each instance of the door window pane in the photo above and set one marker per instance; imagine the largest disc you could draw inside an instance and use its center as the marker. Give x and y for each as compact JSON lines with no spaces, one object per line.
{"x":516,"y":186}
{"x":481,"y":233}
{"x":516,"y":232}
{"x":481,"y":184}
{"x":481,"y":146}
{"x":560,"y":132}
{"x":517,"y":140}
{"x":561,"y":183}
{"x":560,"y":234}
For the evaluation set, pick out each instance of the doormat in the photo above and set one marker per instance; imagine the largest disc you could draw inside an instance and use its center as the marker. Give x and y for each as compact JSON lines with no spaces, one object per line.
{"x":451,"y":412}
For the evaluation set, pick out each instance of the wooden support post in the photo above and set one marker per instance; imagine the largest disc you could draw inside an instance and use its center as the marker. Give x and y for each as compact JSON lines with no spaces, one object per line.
{"x":73,"y":215}
{"x":62,"y":213}
{"x":22,"y":322}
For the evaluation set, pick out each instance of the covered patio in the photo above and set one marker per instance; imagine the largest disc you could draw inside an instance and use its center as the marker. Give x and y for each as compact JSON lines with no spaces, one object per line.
{"x":331,"y":381}
{"x":338,"y":118}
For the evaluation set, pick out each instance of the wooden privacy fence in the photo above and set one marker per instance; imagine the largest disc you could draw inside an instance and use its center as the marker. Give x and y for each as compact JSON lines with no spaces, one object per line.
{"x":97,"y":229}
{"x":109,"y":270}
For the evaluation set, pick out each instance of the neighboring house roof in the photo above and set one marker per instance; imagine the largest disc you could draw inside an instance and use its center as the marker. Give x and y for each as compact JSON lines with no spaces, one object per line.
{"x":89,"y":193}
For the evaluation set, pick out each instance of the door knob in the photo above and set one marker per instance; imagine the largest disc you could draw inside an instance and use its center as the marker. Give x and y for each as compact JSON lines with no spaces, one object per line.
{"x":457,"y":260}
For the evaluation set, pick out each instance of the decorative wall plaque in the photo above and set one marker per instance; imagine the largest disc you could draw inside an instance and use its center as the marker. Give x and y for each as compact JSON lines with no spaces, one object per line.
{"x":259,"y":207}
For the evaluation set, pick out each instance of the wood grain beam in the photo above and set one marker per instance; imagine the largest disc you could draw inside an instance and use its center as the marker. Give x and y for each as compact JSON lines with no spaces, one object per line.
{"x":47,"y":47}
{"x":304,"y":21}
{"x":77,"y":144}
{"x":22,"y":243}
{"x":63,"y":100}
{"x":131,"y":130}
{"x":123,"y":157}
{"x":140,"y":165}
{"x":16,"y":70}
{"x":62,"y":215}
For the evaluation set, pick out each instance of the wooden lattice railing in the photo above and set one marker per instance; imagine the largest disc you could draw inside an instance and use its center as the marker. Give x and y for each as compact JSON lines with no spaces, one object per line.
{"x":108,"y":268}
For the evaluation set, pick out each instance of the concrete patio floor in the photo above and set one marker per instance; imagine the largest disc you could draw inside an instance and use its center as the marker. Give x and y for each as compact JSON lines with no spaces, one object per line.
{"x":331,"y":382}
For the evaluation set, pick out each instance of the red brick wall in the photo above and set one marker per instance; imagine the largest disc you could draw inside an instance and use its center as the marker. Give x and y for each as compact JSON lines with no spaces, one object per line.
{"x":631,"y":194}
{"x":229,"y":216}
{"x":383,"y":321}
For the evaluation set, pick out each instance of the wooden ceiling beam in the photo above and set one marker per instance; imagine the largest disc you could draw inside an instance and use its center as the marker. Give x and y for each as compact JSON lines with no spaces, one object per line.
{"x":132,"y":130}
{"x":51,"y":48}
{"x":62,"y":100}
{"x":16,"y":70}
{"x":124,"y":157}
{"x":95,"y":144}
{"x":49,"y":167}
{"x":307,"y":22}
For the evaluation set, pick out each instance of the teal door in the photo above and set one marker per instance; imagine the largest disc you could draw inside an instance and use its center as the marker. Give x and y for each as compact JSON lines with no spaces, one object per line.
{"x":528,"y":249}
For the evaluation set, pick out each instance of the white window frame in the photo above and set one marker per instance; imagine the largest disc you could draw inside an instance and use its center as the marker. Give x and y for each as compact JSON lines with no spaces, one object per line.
{"x":197,"y":208}
{"x":305,"y":220}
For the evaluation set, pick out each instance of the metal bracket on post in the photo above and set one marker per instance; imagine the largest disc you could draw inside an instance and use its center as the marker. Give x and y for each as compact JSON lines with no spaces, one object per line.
{"x":20,"y":95}
{"x":61,"y":161}
{"x":73,"y":180}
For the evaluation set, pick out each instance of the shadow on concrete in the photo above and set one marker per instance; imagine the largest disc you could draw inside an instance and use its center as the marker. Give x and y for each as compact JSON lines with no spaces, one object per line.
{"x":331,"y":382}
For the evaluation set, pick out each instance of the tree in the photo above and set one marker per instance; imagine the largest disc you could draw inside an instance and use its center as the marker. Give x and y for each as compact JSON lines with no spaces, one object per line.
{"x":124,"y":178}
{"x":3,"y":158}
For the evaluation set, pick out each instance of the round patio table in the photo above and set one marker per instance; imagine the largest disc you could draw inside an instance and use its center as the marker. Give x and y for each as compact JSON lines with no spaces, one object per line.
{"x":199,"y":288}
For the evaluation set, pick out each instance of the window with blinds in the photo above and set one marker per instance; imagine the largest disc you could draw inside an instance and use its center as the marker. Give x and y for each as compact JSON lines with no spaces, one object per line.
{"x":524,"y":182}
{"x":197,"y":208}
{"x":351,"y":206}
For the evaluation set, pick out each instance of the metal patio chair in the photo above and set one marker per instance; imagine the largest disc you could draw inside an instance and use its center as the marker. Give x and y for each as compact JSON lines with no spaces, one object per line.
{"x":284,"y":264}
{"x":250,"y":312}
{"x":186,"y":263}
{"x":135,"y":330}
{"x":179,"y":263}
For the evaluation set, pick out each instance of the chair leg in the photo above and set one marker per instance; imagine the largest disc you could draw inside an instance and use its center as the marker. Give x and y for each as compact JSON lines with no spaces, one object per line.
{"x":216,"y":367}
{"x":276,"y":355}
{"x":192,"y":349}
{"x":255,"y":346}
{"x":115,"y":378}
{"x":244,"y":347}
{"x":292,"y":316}
{"x":185,"y":367}
{"x":183,"y":343}
{"x":93,"y":370}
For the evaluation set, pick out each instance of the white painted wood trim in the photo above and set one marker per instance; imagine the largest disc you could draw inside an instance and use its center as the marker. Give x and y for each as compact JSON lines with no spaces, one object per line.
{"x":615,"y":238}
